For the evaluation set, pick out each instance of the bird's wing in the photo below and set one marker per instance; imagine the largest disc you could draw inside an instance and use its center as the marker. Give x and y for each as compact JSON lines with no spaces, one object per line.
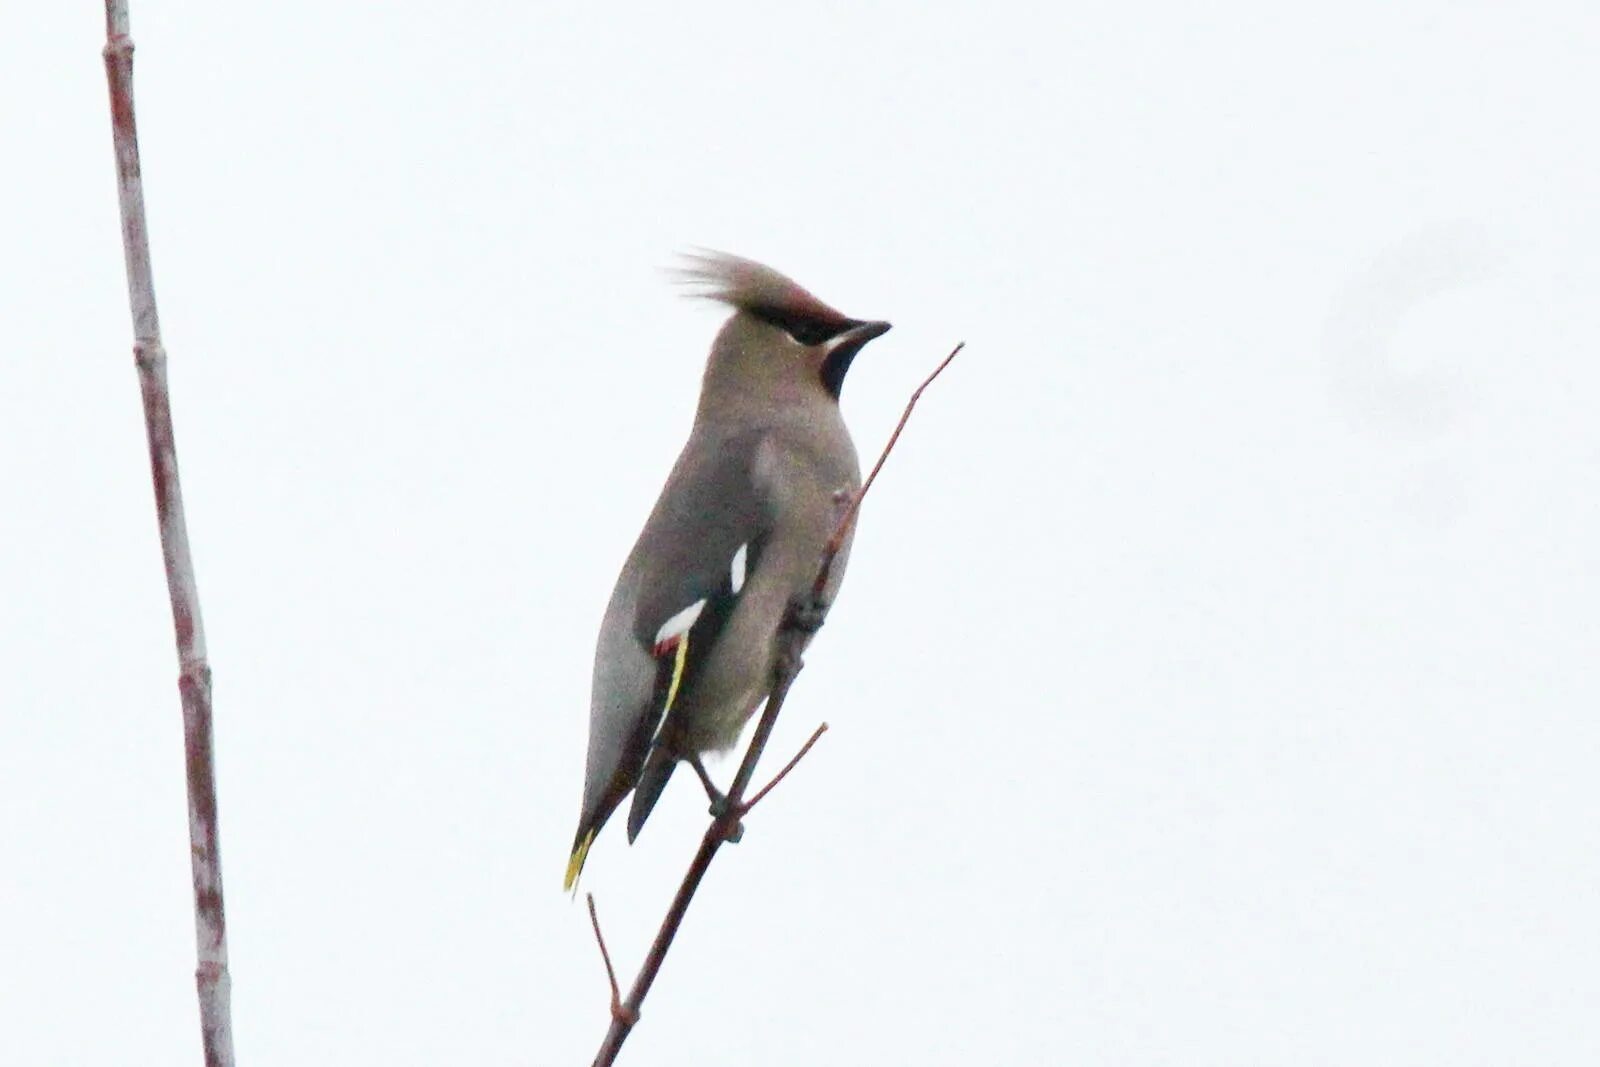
{"x":701,"y":542}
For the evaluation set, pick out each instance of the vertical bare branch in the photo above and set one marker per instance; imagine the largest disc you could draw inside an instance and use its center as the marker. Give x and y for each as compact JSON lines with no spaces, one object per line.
{"x":194,"y":674}
{"x":792,"y":638}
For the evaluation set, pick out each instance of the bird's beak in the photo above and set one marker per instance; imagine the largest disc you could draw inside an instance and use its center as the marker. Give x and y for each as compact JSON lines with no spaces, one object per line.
{"x":843,"y":350}
{"x":860,"y":334}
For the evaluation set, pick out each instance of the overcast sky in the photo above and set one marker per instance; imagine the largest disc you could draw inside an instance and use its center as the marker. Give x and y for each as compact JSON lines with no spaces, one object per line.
{"x":1216,"y":677}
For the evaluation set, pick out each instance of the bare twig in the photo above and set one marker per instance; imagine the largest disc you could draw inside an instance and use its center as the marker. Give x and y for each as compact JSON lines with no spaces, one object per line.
{"x":194,"y":673}
{"x":843,"y":529}
{"x":816,"y":735}
{"x":617,"y":1010}
{"x":792,"y":639}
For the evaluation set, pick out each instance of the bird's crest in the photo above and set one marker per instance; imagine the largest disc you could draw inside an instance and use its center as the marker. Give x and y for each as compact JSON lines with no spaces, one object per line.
{"x":751,"y":286}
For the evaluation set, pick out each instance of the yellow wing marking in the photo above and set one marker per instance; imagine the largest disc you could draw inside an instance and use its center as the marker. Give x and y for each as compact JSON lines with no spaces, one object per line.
{"x":680,"y":657}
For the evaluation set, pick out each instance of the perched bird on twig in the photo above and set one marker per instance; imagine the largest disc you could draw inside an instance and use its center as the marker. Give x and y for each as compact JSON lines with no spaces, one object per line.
{"x":686,"y":648}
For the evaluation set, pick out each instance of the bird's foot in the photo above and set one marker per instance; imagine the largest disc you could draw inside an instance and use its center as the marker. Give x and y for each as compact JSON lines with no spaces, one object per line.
{"x":806,"y":614}
{"x":719,"y":808}
{"x":719,"y":799}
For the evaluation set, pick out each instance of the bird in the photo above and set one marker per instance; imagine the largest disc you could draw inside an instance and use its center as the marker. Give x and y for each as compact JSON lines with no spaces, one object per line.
{"x":689,"y":637}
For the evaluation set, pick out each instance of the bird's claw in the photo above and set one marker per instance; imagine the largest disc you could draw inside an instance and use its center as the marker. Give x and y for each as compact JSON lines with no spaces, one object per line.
{"x":807,"y":614}
{"x":720,"y":809}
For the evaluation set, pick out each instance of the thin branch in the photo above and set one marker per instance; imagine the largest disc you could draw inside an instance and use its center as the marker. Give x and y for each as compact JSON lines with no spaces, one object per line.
{"x":843,"y":529}
{"x":617,"y":1009}
{"x":792,"y":638}
{"x":816,"y":735}
{"x":194,"y":673}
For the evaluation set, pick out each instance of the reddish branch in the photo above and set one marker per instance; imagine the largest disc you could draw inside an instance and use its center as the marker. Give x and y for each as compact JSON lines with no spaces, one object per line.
{"x":792,"y":638}
{"x":194,"y":674}
{"x":617,"y":1010}
{"x":816,"y":735}
{"x":837,"y":540}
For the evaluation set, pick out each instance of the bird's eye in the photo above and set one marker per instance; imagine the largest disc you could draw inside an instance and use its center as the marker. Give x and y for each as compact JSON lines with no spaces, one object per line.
{"x":810,"y":332}
{"x":804,"y":329}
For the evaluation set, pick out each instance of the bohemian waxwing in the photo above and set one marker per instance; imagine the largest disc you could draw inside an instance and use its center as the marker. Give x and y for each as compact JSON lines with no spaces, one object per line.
{"x":688,"y":641}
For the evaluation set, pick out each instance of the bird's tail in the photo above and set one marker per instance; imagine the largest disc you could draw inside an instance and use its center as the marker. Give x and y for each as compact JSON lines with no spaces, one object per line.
{"x":580,"y":852}
{"x":652,"y":780}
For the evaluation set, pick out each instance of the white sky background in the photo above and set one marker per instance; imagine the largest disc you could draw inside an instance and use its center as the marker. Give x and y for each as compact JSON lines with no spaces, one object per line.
{"x":1215,"y":681}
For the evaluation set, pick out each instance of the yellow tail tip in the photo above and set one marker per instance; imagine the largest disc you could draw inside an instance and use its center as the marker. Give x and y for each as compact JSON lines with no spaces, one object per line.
{"x":575,"y":864}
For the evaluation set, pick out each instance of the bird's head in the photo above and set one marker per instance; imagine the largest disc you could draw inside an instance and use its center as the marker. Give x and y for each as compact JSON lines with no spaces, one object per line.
{"x":781,"y":341}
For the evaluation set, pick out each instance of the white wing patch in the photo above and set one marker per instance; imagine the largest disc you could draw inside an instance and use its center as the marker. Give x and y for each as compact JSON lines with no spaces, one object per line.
{"x":737,"y":573}
{"x":679,"y":624}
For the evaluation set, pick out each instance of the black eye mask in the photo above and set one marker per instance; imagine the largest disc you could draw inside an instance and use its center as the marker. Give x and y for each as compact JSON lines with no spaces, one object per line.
{"x":807,"y":330}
